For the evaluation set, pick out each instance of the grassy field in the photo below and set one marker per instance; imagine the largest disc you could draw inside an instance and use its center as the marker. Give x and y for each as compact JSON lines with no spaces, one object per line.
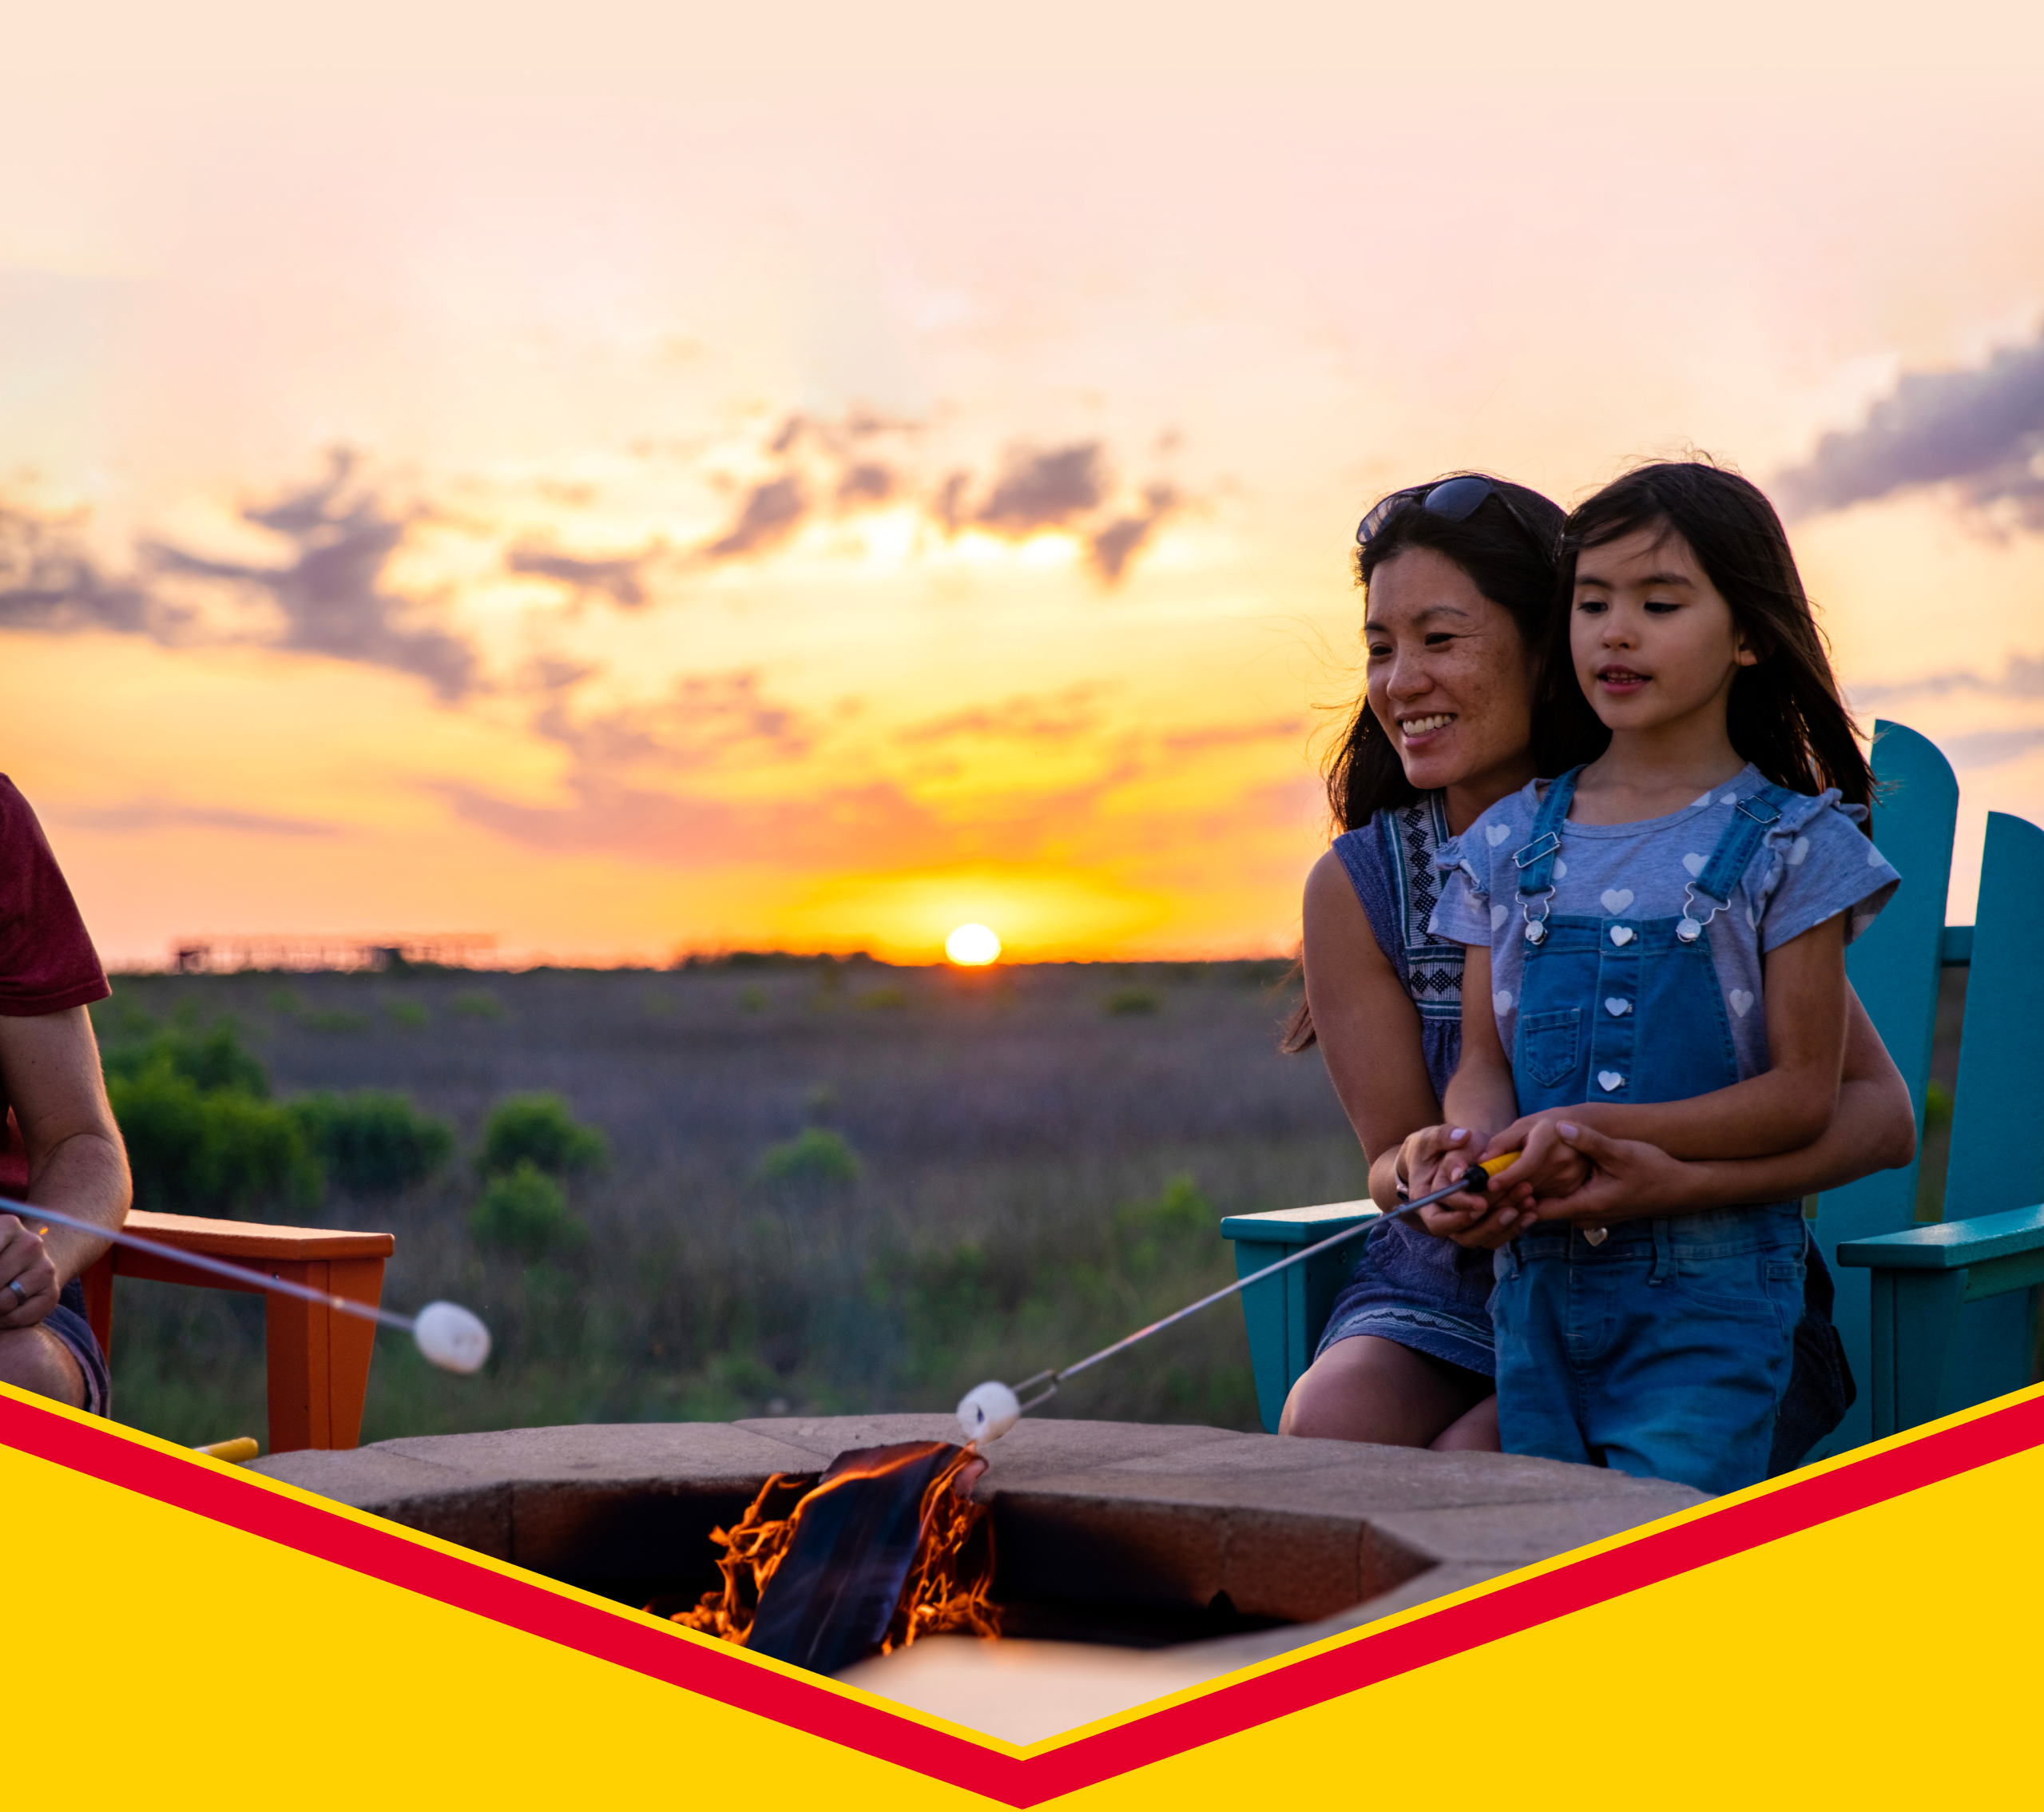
{"x":832,"y":1187}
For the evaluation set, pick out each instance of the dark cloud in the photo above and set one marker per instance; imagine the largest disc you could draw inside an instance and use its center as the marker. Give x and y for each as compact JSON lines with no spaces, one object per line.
{"x":1112,"y":547}
{"x":1059,"y":717}
{"x":48,"y":581}
{"x":868,"y":482}
{"x":1040,"y":490}
{"x":1982,"y":429}
{"x":332,"y":594}
{"x":620,"y":579}
{"x":156,"y":814}
{"x":772,"y":511}
{"x":2023,"y":678}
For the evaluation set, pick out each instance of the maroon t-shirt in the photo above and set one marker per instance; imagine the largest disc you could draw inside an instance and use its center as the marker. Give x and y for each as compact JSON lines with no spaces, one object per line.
{"x":47,"y":962}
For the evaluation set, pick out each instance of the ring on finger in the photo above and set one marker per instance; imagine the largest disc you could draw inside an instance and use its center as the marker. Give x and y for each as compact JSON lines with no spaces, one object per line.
{"x":21,"y":1295}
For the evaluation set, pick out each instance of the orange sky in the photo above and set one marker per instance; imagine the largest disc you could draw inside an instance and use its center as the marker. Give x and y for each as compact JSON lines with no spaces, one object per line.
{"x":629,"y":479}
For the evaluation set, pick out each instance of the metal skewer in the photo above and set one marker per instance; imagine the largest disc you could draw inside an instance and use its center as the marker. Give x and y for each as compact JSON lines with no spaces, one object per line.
{"x":990,"y":1410}
{"x":448,"y":1334}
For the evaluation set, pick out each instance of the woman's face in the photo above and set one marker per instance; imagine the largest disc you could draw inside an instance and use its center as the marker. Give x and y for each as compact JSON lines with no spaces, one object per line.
{"x":1451,"y":681}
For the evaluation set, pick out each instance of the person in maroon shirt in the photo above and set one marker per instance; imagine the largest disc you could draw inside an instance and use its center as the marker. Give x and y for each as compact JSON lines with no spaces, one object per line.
{"x":63,"y":1149}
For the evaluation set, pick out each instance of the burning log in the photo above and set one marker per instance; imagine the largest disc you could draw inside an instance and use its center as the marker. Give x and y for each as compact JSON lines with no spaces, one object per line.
{"x":884,"y":1547}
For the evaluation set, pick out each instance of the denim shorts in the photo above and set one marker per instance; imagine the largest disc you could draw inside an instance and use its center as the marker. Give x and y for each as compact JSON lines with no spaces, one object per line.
{"x":1665,"y":1352}
{"x":67,"y":1321}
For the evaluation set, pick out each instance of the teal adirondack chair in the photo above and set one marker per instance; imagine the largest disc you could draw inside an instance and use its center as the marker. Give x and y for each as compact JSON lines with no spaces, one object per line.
{"x":1933,"y":1318}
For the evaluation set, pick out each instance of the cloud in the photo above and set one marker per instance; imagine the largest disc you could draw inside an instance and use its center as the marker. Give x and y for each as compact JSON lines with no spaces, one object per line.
{"x":1112,"y":547}
{"x":705,"y":720}
{"x":1982,"y":429}
{"x":771,"y":512}
{"x":332,"y":594}
{"x":48,"y":581}
{"x":1057,"y":717}
{"x":2023,"y":678}
{"x":1040,"y":490}
{"x":156,"y":814}
{"x":867,"y":482}
{"x":1987,"y":748}
{"x":1226,"y":736}
{"x":620,"y":579}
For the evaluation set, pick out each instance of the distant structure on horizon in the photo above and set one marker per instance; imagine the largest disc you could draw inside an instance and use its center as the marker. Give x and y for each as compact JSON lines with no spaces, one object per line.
{"x":217,"y":955}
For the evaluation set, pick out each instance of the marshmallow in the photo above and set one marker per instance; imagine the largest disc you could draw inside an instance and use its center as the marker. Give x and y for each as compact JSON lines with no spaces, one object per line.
{"x":451,"y":1337}
{"x":988,"y":1411}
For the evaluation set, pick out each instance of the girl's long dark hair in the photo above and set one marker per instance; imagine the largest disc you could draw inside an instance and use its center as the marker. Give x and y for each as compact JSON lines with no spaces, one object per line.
{"x":1510,"y":559}
{"x":1784,"y":715}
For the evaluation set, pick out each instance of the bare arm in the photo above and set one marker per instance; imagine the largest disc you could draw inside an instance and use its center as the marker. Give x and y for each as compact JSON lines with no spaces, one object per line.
{"x":51,"y":1065}
{"x":1367,"y":1026}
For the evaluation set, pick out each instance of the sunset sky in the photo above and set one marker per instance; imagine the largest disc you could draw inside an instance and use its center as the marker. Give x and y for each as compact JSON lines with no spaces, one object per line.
{"x":633,"y":480}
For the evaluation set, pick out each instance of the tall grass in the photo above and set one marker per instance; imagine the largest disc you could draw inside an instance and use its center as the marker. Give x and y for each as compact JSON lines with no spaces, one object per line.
{"x":809,"y":1205}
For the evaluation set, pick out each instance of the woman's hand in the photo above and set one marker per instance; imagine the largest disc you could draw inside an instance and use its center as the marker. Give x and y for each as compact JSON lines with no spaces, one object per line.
{"x":29,"y":1283}
{"x":1432,"y":1158}
{"x":1547,"y":1166}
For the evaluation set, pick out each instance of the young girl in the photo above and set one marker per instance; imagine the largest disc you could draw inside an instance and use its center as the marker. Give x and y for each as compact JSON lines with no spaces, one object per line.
{"x":1656,"y":950}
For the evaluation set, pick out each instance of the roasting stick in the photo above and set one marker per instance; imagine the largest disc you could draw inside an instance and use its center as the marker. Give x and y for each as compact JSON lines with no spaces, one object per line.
{"x":988,"y":1411}
{"x":447,"y":1334}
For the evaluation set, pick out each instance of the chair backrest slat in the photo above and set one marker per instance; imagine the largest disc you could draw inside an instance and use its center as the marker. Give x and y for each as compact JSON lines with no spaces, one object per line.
{"x":1997,"y":1108}
{"x":1894,"y":968}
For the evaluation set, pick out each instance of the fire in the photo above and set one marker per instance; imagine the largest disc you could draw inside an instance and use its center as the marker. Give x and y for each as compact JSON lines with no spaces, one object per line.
{"x":948,"y":1580}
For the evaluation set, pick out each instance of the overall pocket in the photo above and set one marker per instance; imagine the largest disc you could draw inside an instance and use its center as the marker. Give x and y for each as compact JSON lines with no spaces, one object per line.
{"x":1549,"y":1044}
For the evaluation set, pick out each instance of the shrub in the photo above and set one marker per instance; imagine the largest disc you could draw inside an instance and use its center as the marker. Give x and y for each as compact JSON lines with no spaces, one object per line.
{"x":208,"y":1060}
{"x":477,"y":1003}
{"x":373,"y":1141}
{"x":814,"y":1155}
{"x":406,"y":1013}
{"x":524,"y":1213}
{"x":1130,"y":1000}
{"x":208,"y":1152}
{"x":333,"y":1019}
{"x":539,"y":1128}
{"x":882,"y":999}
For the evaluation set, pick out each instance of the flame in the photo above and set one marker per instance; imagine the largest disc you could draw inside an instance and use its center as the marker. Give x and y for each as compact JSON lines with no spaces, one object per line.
{"x":947,"y":1585}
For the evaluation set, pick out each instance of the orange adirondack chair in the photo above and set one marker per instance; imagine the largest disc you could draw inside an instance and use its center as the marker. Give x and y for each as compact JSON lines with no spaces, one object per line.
{"x":319,"y":1360}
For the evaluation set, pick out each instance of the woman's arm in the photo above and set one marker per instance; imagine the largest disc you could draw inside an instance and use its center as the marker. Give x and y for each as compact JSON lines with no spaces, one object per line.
{"x":1875,"y":1129}
{"x":1368,"y":1027}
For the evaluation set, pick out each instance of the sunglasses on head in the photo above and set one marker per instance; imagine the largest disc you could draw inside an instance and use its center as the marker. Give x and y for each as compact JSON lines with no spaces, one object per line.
{"x":1452,"y":499}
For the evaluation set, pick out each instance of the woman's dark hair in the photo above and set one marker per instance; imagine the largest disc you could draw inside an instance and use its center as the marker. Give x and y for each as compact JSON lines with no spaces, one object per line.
{"x":1511,"y":559}
{"x":1785,"y":714}
{"x":1508,"y":552}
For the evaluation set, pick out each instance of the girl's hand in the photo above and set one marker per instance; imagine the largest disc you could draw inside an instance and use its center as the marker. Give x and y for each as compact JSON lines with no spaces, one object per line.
{"x":1421,"y":1157}
{"x":1627,"y":1180}
{"x":1548,"y":1166}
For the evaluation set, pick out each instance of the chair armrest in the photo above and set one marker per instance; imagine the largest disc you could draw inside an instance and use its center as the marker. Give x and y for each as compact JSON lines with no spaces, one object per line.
{"x":1950,"y":1246}
{"x":246,"y":1241}
{"x":1298,"y":1226}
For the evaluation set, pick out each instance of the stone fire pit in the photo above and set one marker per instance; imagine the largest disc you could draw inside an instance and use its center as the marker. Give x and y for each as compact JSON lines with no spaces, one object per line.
{"x":1191,"y":1551}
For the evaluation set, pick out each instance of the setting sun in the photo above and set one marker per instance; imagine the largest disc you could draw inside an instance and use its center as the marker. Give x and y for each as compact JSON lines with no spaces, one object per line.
{"x":971,"y":947}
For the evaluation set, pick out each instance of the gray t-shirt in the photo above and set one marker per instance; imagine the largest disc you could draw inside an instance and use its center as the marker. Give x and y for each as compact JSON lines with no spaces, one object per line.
{"x":1813,"y":864}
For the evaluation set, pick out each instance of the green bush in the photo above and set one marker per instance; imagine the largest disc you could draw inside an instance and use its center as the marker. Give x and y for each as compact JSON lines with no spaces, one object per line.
{"x":197,"y":1151}
{"x":524,"y":1215}
{"x":540,"y":1129}
{"x":408,"y":1013}
{"x":208,"y":1060}
{"x":333,"y":1019}
{"x":373,"y":1142}
{"x":814,"y":1155}
{"x":477,"y":1003}
{"x":1129,"y":1000}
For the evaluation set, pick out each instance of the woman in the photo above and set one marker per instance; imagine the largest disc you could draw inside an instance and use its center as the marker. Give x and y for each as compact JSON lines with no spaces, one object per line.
{"x":1459,"y":578}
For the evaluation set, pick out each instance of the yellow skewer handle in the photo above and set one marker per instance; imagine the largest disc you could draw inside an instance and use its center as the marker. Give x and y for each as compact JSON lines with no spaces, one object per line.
{"x":1490,"y":1167}
{"x":241,"y":1447}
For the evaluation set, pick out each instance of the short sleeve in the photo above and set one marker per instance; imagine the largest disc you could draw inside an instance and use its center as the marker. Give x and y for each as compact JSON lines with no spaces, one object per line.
{"x":47,"y":962}
{"x":1820,"y":863}
{"x":1463,"y":913}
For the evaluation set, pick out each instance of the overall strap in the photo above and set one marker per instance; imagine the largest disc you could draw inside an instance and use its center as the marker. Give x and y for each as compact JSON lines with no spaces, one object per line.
{"x":1752,"y":818}
{"x":1535,"y":862}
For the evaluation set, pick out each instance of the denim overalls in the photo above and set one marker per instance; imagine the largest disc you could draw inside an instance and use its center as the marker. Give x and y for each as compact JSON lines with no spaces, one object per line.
{"x":1664,"y":1350}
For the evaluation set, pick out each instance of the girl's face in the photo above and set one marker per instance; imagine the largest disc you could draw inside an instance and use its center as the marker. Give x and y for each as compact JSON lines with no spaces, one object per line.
{"x":1655,"y":645}
{"x":1450,"y":678}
